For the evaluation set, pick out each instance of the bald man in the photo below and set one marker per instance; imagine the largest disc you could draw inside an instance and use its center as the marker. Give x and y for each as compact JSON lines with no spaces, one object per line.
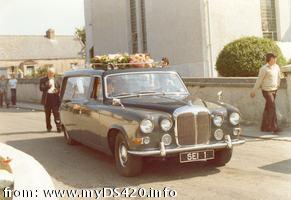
{"x":50,"y":88}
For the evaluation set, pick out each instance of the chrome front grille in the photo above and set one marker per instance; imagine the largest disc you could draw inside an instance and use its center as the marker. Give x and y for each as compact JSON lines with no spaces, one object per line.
{"x":186,"y":129}
{"x":193,"y":129}
{"x":204,"y":124}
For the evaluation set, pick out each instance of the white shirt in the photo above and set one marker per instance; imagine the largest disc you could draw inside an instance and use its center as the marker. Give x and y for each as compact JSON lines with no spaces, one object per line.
{"x":12,"y":83}
{"x":269,"y":78}
{"x":52,"y":88}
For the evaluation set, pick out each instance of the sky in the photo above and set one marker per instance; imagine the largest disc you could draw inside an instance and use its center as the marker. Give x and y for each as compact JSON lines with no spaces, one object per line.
{"x":34,"y":17}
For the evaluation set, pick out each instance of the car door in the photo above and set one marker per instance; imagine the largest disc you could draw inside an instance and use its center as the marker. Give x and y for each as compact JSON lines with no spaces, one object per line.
{"x":90,"y":116}
{"x":75,"y":96}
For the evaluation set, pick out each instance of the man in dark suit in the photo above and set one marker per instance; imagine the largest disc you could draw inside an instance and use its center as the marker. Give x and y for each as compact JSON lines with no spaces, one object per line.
{"x":50,"y":88}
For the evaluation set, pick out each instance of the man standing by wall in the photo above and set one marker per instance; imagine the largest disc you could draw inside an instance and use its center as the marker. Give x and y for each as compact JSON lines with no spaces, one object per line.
{"x":12,"y":83}
{"x":269,"y":81}
{"x":3,"y":91}
{"x":50,"y":99}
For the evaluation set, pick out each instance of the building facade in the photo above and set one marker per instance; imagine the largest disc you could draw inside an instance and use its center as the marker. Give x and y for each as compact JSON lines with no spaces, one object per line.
{"x":191,"y":33}
{"x":23,"y":55}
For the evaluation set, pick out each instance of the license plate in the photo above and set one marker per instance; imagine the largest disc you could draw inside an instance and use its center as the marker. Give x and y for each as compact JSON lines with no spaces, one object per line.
{"x":196,"y":156}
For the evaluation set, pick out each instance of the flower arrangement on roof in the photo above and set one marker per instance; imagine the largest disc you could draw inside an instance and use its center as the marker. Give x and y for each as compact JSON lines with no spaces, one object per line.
{"x":123,"y":61}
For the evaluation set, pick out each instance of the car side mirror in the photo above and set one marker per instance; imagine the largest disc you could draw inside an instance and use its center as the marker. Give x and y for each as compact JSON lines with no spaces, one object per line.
{"x":219,"y":95}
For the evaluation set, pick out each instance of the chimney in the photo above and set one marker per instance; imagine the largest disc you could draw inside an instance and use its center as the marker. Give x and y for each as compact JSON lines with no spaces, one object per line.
{"x":50,"y":34}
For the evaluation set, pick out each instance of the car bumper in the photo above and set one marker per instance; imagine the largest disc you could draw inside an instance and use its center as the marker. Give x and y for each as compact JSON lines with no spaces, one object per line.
{"x":163,"y":151}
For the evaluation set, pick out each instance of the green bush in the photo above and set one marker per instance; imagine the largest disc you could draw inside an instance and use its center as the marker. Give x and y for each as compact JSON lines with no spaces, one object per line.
{"x":245,"y":56}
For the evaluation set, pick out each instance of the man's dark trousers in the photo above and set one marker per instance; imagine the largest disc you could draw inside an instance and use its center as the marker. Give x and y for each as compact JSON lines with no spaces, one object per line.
{"x":1,"y":98}
{"x":269,"y":122}
{"x":52,"y":106}
{"x":13,"y":96}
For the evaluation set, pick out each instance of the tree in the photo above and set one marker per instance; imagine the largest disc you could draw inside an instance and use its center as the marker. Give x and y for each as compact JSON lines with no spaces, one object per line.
{"x":80,"y":33}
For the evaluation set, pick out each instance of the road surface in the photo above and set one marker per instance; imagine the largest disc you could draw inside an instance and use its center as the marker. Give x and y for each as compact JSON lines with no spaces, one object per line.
{"x":259,"y":169}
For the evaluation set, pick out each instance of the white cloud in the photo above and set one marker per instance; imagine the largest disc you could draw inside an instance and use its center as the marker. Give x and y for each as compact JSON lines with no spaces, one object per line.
{"x":34,"y":17}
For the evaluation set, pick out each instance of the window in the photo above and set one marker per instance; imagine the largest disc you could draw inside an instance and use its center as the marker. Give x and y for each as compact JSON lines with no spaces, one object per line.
{"x":97,"y":89}
{"x":121,"y":85}
{"x":77,"y":88}
{"x":29,"y":70}
{"x":268,"y":13}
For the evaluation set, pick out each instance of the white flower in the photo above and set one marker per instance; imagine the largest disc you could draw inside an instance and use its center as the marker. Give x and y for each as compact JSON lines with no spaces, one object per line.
{"x":113,"y":56}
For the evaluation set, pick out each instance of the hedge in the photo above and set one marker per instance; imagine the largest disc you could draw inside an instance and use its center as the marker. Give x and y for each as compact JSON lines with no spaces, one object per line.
{"x":245,"y":56}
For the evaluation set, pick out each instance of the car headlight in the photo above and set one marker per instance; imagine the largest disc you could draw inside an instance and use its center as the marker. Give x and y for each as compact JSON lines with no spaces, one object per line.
{"x":218,"y":120}
{"x":166,"y":125}
{"x":234,"y":118}
{"x":146,"y":126}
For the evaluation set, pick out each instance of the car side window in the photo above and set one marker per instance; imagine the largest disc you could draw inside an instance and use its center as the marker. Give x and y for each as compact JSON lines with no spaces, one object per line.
{"x":96,"y":92}
{"x":77,"y":88}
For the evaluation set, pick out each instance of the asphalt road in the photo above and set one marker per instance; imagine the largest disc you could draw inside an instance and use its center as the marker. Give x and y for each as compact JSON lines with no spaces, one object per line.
{"x":259,"y":169}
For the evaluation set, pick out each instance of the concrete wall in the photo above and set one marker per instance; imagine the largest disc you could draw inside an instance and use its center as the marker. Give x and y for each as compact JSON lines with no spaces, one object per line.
{"x":111,"y":26}
{"x":191,"y":33}
{"x":28,"y":91}
{"x":285,"y":49}
{"x":283,"y":14}
{"x":174,"y":30}
{"x":230,"y":20}
{"x":89,"y":27}
{"x":235,"y":91}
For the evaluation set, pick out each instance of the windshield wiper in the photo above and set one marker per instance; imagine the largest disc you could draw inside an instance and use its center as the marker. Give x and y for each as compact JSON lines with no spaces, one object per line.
{"x":174,"y":93}
{"x":139,"y":94}
{"x":125,"y":95}
{"x":148,"y":92}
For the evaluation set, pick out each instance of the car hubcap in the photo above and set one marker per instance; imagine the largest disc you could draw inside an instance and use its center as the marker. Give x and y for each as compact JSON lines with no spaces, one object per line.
{"x":123,"y":154}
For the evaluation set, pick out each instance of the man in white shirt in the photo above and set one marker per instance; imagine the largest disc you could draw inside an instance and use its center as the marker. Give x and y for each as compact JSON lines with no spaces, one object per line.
{"x":50,"y":88}
{"x":269,"y":81}
{"x":12,"y":83}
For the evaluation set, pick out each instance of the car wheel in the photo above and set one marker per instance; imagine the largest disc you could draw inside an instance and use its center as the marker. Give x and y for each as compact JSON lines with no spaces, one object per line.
{"x":68,"y":138}
{"x":126,"y":164}
{"x":221,"y":157}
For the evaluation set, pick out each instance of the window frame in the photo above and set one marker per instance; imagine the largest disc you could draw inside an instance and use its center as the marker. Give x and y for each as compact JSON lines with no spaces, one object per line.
{"x":270,"y":17}
{"x":92,"y":87}
{"x":86,"y":96}
{"x":105,"y":94}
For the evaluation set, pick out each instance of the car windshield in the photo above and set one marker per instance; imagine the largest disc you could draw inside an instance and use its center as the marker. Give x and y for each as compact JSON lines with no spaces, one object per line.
{"x":133,"y":84}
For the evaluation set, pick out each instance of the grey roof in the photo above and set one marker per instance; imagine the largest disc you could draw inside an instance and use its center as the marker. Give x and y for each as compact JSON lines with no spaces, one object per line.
{"x":90,"y":71}
{"x":39,"y":47}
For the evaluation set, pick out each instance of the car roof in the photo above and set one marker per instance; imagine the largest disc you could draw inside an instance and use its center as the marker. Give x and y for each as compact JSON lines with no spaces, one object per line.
{"x":138,"y":70}
{"x":82,"y":72}
{"x":90,"y":71}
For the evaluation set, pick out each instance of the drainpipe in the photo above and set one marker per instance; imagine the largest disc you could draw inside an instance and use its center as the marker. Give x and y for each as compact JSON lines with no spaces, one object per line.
{"x":209,"y":45}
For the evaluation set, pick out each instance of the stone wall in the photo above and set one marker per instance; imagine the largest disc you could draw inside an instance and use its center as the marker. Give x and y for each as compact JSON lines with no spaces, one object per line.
{"x":235,"y":91}
{"x":28,"y":90}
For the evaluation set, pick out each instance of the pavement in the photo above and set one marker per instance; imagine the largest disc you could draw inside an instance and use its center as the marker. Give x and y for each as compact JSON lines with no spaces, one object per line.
{"x":248,"y":131}
{"x":30,"y":106}
{"x":254,"y":132}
